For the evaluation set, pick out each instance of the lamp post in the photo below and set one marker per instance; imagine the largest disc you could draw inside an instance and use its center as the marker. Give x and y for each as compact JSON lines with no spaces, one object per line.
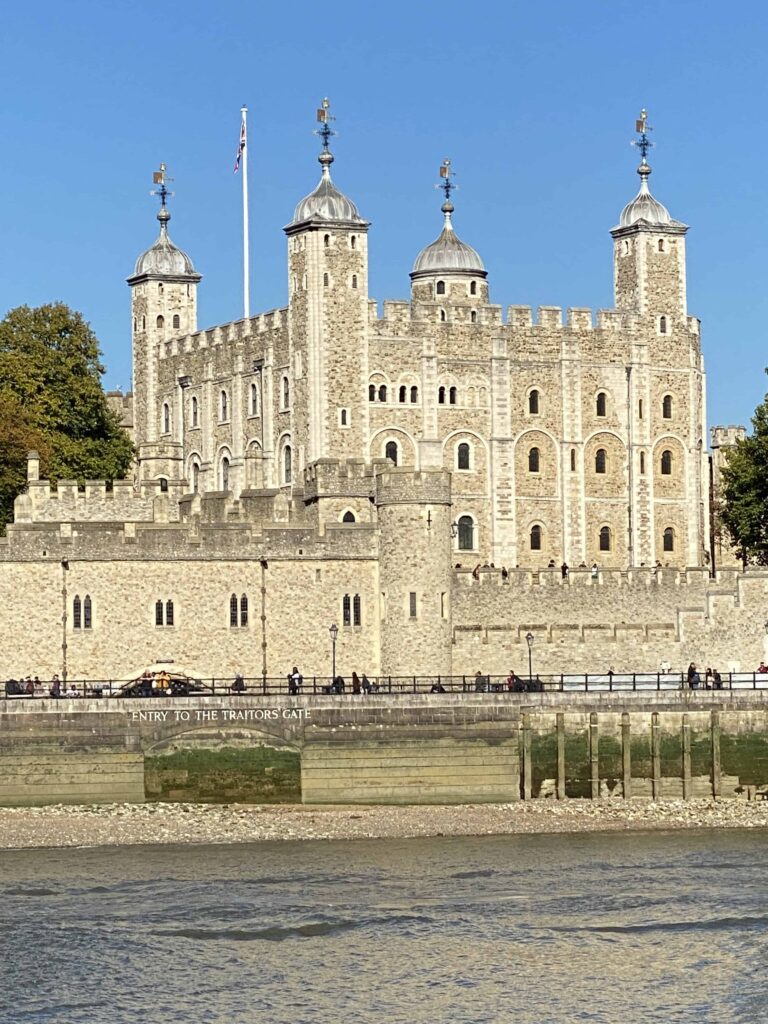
{"x":334,"y":631}
{"x":529,"y":641}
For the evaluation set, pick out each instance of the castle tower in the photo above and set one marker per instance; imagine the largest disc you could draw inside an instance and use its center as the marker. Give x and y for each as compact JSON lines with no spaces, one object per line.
{"x":649,"y":253}
{"x":448,"y":285}
{"x":414,"y":510}
{"x":448,"y":270}
{"x":328,"y":315}
{"x":163,"y":306}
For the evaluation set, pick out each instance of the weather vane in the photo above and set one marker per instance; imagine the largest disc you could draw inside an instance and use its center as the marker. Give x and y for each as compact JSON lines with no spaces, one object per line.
{"x":160,"y":178}
{"x":642,"y":128}
{"x":446,"y":184}
{"x":324,"y":118}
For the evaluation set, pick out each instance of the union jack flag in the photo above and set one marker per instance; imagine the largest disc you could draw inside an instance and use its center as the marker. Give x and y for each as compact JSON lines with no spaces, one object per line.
{"x":240,"y":147}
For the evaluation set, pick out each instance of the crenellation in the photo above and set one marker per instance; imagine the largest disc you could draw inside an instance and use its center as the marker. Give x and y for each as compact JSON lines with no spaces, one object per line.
{"x":579,"y":318}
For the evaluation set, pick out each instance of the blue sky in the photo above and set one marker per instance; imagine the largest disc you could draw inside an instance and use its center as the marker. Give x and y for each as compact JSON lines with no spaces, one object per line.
{"x":533,"y":102}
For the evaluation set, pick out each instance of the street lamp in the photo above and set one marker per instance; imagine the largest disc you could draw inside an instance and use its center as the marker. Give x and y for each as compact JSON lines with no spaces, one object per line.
{"x":529,"y":641}
{"x":334,"y":631}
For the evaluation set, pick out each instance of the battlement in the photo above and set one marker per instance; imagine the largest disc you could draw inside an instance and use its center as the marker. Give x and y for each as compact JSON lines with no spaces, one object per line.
{"x":194,"y":540}
{"x":225,"y":334}
{"x":408,"y":487}
{"x":329,"y":478}
{"x":726,"y":437}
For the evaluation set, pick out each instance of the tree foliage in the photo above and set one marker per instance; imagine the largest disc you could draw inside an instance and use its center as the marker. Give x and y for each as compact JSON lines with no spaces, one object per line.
{"x":745,"y":490}
{"x":52,"y":401}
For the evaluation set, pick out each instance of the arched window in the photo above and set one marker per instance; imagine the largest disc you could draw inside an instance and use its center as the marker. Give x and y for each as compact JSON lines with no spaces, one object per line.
{"x":669,"y":539}
{"x":441,"y":395}
{"x":452,"y":396}
{"x":414,"y":394}
{"x":326,"y":241}
{"x":287,"y":467}
{"x":166,"y":418}
{"x":473,"y":316}
{"x":77,"y":611}
{"x":662,"y":325}
{"x":443,"y":317}
{"x":195,"y":477}
{"x":176,"y":321}
{"x":286,"y":393}
{"x":371,"y":392}
{"x":158,"y":613}
{"x":225,"y":473}
{"x":402,"y":392}
{"x":600,"y":460}
{"x":666,"y":462}
{"x":254,"y":399}
{"x":666,"y":407}
{"x":390,"y":451}
{"x":243,"y":610}
{"x":223,"y":407}
{"x":160,"y":322}
{"x":343,"y":419}
{"x":533,"y":402}
{"x":169,"y":613}
{"x":382,"y":392}
{"x":605,"y":538}
{"x":642,"y":463}
{"x":440,"y":289}
{"x":473,"y":287}
{"x":87,"y":613}
{"x":346,"y":610}
{"x":466,"y":533}
{"x":164,"y":484}
{"x":233,"y":610}
{"x":326,"y":280}
{"x":661,"y":245}
{"x":353,"y":241}
{"x":533,"y":460}
{"x":357,"y":611}
{"x":462,"y":456}
{"x":354,"y":280}
{"x":535,"y":538}
{"x":348,"y":517}
{"x":600,"y":404}
{"x":194,"y":412}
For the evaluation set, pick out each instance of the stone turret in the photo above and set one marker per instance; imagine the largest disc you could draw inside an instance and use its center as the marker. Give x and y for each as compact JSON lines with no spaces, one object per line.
{"x":163,"y":305}
{"x":649,"y":254}
{"x":414,"y":510}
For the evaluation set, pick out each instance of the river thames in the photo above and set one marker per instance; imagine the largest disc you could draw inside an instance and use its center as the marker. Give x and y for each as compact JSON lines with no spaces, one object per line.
{"x":627,"y":927}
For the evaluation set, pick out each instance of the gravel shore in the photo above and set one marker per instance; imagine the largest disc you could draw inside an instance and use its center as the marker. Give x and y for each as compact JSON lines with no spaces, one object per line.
{"x":131,"y":824}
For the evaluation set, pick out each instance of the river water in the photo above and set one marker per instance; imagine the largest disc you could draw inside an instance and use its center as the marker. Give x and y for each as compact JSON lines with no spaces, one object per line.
{"x":615,"y":928}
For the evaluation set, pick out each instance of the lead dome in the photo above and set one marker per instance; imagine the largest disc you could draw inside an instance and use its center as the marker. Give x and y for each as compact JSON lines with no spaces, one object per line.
{"x":644,"y":207}
{"x":326,"y":202}
{"x":164,"y":259}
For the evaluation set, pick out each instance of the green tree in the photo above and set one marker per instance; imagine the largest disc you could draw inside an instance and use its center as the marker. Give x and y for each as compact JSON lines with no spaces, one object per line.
{"x":52,"y":400}
{"x":745,"y":490}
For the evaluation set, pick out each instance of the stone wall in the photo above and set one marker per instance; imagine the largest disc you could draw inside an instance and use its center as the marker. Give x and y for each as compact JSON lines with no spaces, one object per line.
{"x":452,"y":748}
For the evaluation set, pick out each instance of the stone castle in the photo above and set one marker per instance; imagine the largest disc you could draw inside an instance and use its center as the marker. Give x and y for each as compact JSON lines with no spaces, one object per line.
{"x":416,"y":477}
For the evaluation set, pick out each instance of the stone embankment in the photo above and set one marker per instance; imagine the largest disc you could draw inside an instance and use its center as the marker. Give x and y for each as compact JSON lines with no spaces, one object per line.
{"x":132,"y":824}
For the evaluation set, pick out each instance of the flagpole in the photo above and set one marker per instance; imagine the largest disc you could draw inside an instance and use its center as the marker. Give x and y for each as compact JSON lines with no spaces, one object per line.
{"x":246,"y":270}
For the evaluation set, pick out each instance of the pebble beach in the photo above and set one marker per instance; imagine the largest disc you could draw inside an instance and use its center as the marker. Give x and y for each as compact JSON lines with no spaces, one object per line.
{"x":158,"y":823}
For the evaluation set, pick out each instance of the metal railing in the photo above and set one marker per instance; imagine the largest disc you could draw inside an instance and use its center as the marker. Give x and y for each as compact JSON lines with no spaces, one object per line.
{"x":376,"y":685}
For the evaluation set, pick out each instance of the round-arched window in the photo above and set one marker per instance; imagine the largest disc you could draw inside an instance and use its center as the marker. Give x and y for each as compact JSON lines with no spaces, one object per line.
{"x":462,"y":456}
{"x":466,"y":533}
{"x":390,"y":451}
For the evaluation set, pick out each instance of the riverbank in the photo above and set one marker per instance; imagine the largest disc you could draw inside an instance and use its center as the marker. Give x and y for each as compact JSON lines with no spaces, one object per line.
{"x":132,"y":824}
